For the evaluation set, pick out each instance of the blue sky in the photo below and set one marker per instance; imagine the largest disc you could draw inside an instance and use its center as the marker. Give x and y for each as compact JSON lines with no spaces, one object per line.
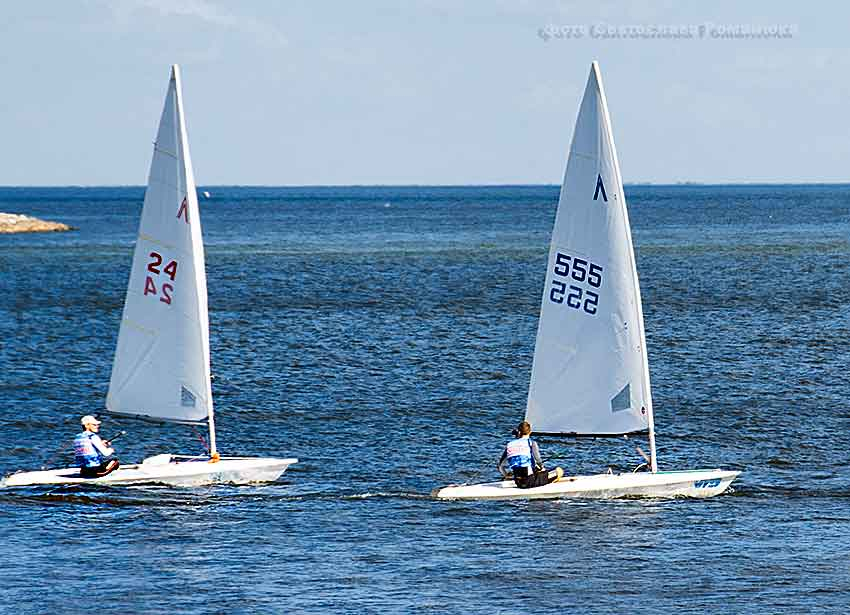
{"x":428,"y":92}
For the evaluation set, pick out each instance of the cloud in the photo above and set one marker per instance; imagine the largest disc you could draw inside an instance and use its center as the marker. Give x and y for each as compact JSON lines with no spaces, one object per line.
{"x":201,"y":10}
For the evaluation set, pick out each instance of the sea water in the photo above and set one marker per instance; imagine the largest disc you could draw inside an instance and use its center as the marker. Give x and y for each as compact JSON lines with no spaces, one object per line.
{"x":384,"y":336}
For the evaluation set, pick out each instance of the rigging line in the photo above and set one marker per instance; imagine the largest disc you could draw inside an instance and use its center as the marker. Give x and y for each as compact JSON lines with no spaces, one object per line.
{"x":638,"y":449}
{"x":201,"y":438}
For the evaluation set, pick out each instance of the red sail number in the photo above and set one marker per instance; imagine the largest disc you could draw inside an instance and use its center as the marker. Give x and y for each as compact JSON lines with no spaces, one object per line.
{"x":166,"y":289}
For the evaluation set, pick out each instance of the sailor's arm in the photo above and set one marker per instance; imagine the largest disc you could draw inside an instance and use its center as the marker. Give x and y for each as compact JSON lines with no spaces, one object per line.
{"x":535,"y":453}
{"x":501,"y":464}
{"x":101,"y":446}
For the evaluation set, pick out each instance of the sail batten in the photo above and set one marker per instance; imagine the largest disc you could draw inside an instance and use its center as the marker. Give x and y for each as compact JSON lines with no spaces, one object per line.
{"x":161,"y":369}
{"x":590,"y":375}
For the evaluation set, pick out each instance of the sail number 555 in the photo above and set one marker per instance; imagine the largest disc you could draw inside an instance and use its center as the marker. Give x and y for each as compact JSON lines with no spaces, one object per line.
{"x":578,"y":270}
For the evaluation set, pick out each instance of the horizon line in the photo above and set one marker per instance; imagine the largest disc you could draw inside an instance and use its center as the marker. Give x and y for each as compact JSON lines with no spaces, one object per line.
{"x":494,"y":185}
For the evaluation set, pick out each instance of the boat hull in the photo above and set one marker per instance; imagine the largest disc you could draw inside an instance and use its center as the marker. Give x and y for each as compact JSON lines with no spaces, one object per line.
{"x":162,"y":469}
{"x":689,"y":483}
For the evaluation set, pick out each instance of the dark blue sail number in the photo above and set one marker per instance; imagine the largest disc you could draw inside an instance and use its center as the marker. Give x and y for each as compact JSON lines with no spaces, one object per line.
{"x":577,"y":270}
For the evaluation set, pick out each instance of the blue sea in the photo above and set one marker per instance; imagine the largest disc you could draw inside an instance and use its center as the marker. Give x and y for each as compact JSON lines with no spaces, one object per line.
{"x":384,"y":336}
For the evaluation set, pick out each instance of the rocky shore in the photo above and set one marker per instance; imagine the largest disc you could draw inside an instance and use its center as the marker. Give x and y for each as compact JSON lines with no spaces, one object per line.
{"x":18,"y":223}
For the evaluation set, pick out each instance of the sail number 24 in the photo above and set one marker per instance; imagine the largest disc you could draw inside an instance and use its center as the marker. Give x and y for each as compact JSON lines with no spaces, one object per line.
{"x":573,"y":269}
{"x":155,"y":267}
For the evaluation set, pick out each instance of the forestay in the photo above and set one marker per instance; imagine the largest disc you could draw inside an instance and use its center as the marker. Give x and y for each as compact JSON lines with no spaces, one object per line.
{"x":162,"y":361}
{"x":590,"y":373}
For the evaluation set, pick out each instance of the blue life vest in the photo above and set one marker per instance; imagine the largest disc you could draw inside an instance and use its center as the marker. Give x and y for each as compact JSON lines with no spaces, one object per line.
{"x":519,"y":454}
{"x":86,"y":454}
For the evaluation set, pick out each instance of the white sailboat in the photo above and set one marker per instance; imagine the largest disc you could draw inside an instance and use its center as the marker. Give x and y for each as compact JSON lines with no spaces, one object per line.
{"x":590,"y":375}
{"x":161,"y":369}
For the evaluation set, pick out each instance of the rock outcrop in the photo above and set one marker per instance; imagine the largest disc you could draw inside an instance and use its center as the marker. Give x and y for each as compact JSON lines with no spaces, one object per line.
{"x":18,"y":223}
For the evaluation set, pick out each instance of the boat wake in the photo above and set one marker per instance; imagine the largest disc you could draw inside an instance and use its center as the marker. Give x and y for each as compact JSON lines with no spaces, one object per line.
{"x":774,"y":492}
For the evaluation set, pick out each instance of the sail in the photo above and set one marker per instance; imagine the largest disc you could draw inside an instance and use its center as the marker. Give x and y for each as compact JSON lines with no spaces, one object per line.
{"x":161,"y":368}
{"x":590,"y":374}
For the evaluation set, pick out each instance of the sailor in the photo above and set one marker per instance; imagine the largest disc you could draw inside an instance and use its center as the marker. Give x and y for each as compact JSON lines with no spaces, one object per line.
{"x":522,"y":458}
{"x":92,"y":454}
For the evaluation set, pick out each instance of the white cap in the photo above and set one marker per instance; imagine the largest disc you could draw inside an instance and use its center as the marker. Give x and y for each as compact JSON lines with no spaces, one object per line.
{"x":89,"y":420}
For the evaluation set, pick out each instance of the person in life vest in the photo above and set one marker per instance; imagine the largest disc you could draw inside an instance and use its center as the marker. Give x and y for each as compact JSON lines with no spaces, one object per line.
{"x":522,"y":458}
{"x":91,"y":453}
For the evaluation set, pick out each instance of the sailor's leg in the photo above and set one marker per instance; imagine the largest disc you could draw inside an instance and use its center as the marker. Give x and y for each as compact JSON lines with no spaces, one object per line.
{"x":538,"y":479}
{"x":522,"y":477}
{"x":89,"y":472}
{"x":108,"y":466}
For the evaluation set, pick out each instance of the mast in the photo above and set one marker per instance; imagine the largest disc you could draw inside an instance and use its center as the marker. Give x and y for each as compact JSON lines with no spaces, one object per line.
{"x":161,"y":368}
{"x":214,"y":451}
{"x":647,"y":390}
{"x":198,"y":254}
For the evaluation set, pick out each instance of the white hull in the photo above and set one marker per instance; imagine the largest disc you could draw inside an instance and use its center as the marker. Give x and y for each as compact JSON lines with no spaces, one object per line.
{"x":163,"y":470}
{"x":689,"y":483}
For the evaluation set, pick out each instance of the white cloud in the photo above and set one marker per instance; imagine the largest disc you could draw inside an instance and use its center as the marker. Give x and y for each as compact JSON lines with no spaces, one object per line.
{"x":204,"y":11}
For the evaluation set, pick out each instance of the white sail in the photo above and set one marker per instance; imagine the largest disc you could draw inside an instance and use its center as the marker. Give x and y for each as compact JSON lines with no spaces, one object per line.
{"x":590,"y":373}
{"x":162,"y":360}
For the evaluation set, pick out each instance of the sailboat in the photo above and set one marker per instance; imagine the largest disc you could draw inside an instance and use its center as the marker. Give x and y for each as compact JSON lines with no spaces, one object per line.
{"x":161,"y":369}
{"x":590,"y":374}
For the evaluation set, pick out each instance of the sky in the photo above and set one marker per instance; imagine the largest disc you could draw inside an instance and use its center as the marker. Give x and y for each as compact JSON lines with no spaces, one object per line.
{"x":319,"y":92}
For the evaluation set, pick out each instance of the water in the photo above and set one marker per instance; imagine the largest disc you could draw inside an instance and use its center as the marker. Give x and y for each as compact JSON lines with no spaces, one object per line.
{"x":384,"y":336}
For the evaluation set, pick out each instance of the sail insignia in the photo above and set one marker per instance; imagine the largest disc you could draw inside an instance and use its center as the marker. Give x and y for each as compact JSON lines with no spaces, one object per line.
{"x":184,"y":210}
{"x":600,"y":186}
{"x":187,"y":398}
{"x":622,"y":400}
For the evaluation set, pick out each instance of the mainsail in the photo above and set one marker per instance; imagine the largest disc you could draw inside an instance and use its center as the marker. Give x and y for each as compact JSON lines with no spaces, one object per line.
{"x":590,"y":374}
{"x":162,"y":360}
